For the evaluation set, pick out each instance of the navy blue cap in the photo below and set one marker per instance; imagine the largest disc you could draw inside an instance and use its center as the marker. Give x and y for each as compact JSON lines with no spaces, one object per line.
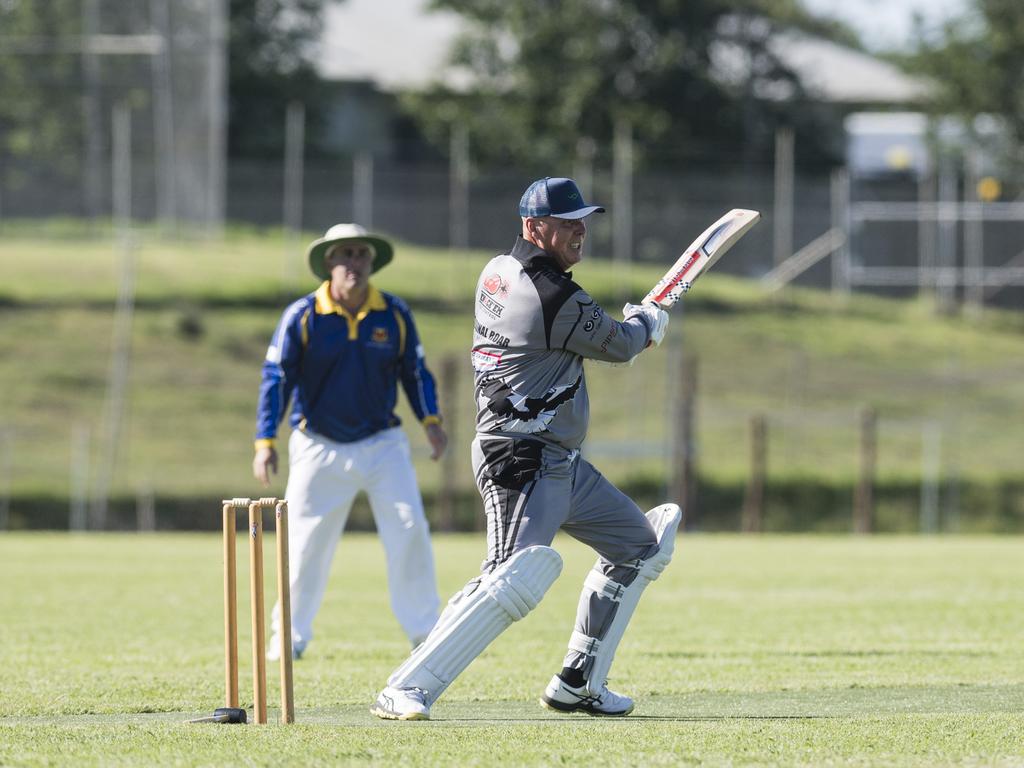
{"x":560,"y":198}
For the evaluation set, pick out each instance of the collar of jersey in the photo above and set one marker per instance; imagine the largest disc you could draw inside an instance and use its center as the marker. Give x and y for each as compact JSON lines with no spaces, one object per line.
{"x":326,"y":305}
{"x":530,"y":255}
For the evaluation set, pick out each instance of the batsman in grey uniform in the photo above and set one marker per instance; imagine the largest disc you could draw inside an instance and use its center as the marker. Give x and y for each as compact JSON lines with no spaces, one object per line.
{"x":534,"y":327}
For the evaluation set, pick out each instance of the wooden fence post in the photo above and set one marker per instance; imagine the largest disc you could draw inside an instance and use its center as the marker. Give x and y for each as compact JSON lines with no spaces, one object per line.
{"x":449,"y":403}
{"x":863,"y":500}
{"x":753,"y":503}
{"x":684,"y":478}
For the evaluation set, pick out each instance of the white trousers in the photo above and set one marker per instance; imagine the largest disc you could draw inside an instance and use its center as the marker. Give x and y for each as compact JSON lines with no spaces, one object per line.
{"x":323,"y":480}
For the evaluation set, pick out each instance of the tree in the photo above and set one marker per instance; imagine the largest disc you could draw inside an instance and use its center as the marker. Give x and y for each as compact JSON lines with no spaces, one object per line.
{"x":977,"y":61}
{"x":55,"y":99}
{"x":36,"y":125}
{"x":548,"y":72}
{"x":270,"y":54}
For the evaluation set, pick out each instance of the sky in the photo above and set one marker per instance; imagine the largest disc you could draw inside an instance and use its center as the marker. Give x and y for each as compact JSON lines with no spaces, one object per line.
{"x":884,"y":24}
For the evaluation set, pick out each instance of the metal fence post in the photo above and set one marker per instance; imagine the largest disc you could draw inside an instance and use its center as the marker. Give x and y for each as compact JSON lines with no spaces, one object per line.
{"x":753,"y":503}
{"x":684,"y":477}
{"x":864,"y":501}
{"x":448,"y":489}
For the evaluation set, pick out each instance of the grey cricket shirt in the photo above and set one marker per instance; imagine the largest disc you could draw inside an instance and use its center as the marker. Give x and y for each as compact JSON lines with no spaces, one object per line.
{"x":533,"y":329}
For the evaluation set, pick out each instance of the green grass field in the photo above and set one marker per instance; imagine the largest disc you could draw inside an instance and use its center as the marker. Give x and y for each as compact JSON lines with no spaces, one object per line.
{"x":206,"y":309}
{"x":850,"y":651}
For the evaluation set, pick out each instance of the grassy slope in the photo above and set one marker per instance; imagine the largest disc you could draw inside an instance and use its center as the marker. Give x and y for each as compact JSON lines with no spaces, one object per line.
{"x":807,"y":363}
{"x":749,"y":650}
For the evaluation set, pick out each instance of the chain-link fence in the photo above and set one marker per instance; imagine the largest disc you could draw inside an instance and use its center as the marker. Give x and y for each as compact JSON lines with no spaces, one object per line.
{"x":63,"y":74}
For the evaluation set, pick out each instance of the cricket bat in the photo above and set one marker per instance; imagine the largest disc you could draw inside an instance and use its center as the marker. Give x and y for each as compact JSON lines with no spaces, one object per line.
{"x":700,"y":256}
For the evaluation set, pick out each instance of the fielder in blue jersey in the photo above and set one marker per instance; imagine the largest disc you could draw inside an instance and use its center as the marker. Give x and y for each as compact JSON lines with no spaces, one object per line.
{"x":337,"y":357}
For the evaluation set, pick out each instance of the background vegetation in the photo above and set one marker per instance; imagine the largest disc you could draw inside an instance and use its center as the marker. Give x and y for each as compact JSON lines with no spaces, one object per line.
{"x":651,"y":64}
{"x":205,"y":311}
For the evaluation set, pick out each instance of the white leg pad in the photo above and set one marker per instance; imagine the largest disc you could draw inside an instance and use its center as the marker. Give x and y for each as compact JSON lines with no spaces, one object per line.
{"x":665,"y":520}
{"x":471,"y":622}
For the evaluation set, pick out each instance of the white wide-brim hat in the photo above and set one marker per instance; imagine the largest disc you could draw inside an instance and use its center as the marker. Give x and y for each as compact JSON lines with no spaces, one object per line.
{"x":347,"y":233}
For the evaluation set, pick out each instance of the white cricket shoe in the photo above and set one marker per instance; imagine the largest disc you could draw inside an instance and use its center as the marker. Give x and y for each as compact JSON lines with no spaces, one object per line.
{"x":401,"y":704}
{"x":562,"y":697}
{"x":274,"y":649}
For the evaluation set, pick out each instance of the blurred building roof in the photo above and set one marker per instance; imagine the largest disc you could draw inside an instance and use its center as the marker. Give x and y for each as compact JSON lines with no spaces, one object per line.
{"x":402,"y":45}
{"x":843,"y":75}
{"x":397,"y":44}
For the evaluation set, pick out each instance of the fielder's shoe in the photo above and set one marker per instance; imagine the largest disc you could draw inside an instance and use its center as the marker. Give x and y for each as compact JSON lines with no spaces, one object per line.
{"x":274,"y":649}
{"x":562,"y":697}
{"x":401,"y":704}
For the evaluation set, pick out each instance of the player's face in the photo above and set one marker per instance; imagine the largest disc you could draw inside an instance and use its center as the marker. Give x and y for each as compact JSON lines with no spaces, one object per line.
{"x":350,"y":264}
{"x":561,"y":238}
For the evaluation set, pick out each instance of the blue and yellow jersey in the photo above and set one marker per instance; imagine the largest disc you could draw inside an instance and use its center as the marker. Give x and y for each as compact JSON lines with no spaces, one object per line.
{"x":340,"y":372}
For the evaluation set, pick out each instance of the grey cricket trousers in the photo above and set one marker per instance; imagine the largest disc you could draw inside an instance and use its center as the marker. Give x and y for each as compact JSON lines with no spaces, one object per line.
{"x":531,"y":490}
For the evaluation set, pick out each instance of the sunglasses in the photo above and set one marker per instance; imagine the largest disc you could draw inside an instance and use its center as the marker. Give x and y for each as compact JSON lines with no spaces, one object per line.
{"x":350,"y":251}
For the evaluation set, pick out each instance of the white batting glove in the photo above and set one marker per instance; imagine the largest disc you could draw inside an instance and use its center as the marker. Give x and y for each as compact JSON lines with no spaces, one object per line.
{"x":654,"y":316}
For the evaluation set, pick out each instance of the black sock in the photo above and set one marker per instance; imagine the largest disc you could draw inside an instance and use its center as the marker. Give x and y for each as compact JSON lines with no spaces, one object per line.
{"x":573,"y":677}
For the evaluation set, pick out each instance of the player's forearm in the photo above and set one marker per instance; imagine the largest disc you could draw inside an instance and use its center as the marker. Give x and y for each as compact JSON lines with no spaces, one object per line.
{"x":274,"y":393}
{"x":583,"y":327}
{"x":421,"y":392}
{"x":613,"y":342}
